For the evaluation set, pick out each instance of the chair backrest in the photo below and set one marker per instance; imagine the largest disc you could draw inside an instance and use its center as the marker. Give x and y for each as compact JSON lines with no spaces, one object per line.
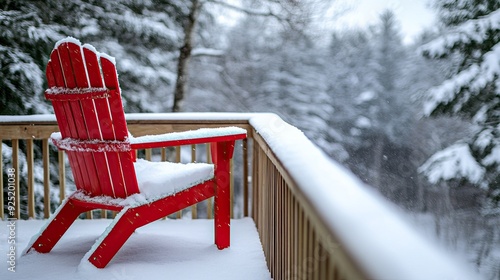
{"x":85,"y":93}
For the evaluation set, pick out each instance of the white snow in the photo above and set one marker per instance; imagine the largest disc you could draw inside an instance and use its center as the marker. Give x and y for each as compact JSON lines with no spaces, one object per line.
{"x":366,"y":225}
{"x":159,"y":179}
{"x":63,"y":90}
{"x":206,"y":52}
{"x":189,"y":134}
{"x":90,"y":47}
{"x":68,"y":39}
{"x":71,"y":144}
{"x":363,"y":122}
{"x":188,"y":116}
{"x":28,"y":118}
{"x":165,"y":249}
{"x":365,"y":97}
{"x":108,"y":57}
{"x":75,"y":41}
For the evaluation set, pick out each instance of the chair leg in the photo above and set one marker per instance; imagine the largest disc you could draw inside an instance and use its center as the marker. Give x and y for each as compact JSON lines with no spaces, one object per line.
{"x":55,"y":228}
{"x":113,"y":239}
{"x":223,"y":153}
{"x":129,"y":219}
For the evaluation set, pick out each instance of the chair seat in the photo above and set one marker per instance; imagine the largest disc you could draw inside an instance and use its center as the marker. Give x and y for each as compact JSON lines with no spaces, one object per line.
{"x":160,"y":179}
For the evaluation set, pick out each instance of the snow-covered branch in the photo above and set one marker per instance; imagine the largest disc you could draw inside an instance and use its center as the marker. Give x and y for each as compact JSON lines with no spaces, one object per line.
{"x":475,"y":77}
{"x":472,"y":30}
{"x":455,"y":161}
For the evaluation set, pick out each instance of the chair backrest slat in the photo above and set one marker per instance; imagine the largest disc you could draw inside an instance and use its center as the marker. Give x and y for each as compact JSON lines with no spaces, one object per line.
{"x":98,"y":119}
{"x":85,"y":118}
{"x":120,"y":128}
{"x":107,"y":173}
{"x":115,"y":102}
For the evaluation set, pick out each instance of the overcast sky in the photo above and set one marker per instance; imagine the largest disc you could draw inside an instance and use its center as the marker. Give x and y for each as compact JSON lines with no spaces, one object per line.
{"x":413,"y":15}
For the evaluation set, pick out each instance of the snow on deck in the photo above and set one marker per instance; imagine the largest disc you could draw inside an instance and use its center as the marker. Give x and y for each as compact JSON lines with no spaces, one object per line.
{"x":166,"y":249}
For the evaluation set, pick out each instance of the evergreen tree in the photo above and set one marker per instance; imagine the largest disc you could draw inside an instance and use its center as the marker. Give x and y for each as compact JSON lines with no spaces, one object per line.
{"x":384,"y":112}
{"x":142,"y":35}
{"x":472,"y":39}
{"x":26,"y":38}
{"x":349,"y":85}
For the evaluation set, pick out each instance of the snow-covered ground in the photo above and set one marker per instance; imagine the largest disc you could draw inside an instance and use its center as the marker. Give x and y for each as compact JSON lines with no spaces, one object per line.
{"x":166,"y":249}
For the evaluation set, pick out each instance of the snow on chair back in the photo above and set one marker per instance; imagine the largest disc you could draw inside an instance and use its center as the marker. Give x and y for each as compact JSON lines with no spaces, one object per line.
{"x":85,"y":94}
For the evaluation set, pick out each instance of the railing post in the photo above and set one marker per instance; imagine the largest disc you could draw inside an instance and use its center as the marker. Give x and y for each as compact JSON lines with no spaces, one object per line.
{"x":245,"y":177}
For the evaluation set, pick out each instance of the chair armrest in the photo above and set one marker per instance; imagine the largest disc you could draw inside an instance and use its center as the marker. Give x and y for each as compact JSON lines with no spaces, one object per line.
{"x":191,"y":137}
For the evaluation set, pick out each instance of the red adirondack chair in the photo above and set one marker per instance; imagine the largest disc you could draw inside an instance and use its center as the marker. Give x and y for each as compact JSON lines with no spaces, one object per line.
{"x":85,"y":94}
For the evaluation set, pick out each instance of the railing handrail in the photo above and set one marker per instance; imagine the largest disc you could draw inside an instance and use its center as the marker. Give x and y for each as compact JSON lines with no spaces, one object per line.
{"x":360,"y":219}
{"x":364,"y":235}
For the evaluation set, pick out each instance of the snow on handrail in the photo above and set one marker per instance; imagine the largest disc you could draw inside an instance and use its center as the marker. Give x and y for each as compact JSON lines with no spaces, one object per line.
{"x":369,"y":228}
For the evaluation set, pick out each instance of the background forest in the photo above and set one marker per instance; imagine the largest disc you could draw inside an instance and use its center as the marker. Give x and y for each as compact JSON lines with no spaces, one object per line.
{"x":418,"y":122}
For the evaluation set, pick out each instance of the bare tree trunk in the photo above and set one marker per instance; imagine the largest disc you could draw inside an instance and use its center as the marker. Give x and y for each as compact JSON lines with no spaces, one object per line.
{"x":184,"y":56}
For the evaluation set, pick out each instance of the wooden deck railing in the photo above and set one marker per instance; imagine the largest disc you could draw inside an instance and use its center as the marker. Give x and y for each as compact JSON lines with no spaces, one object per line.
{"x":315,"y":220}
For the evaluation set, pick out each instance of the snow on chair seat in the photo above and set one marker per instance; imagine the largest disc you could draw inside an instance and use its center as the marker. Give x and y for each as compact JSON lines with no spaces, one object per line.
{"x":160,"y":179}
{"x":86,"y":97}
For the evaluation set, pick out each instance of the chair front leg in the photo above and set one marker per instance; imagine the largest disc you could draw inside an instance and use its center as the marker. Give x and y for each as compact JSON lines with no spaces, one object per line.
{"x":222,"y":153}
{"x":55,"y":228}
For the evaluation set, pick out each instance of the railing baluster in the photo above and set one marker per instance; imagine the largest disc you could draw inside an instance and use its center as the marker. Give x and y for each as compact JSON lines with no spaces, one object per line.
{"x":210,"y":200}
{"x":314,"y":256}
{"x":15,"y":165}
{"x":163,"y":154}
{"x":278,"y":221}
{"x":163,"y":157}
{"x":62,"y":176}
{"x":46,"y":178}
{"x":245,"y":177}
{"x":31,"y":178}
{"x":194,"y":209}
{"x":255,"y":182}
{"x":178,"y":159}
